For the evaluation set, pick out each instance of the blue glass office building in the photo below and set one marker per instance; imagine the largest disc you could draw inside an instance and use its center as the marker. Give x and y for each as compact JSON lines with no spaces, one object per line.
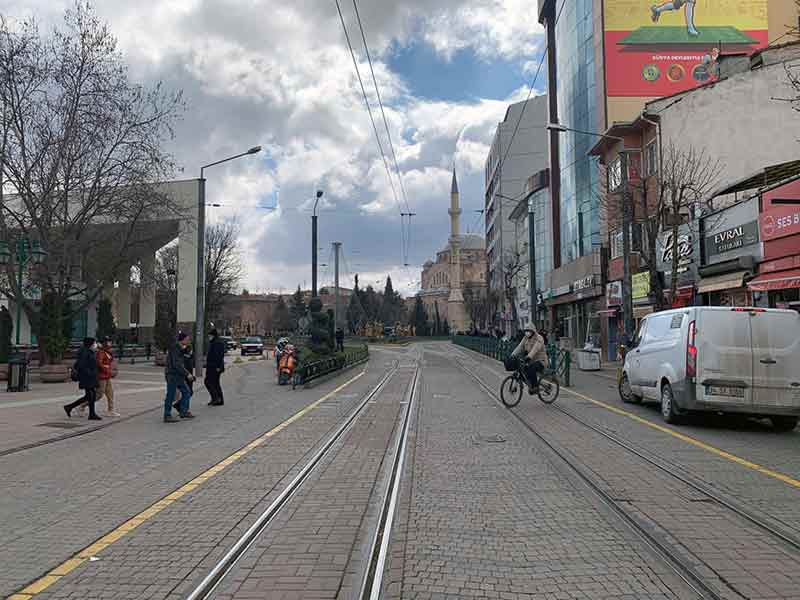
{"x":574,"y":291}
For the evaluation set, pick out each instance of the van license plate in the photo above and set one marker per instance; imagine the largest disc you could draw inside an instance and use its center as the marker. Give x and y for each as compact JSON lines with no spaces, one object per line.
{"x":719,"y":390}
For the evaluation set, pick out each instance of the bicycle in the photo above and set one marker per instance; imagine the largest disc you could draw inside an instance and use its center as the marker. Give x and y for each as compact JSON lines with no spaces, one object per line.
{"x":512,"y":387}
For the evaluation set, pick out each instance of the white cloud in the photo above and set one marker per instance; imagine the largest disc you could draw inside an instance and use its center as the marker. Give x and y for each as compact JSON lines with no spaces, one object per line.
{"x":279,"y":74}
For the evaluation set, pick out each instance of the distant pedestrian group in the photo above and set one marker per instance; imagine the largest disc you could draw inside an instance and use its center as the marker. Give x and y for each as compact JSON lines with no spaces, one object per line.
{"x":95,"y":368}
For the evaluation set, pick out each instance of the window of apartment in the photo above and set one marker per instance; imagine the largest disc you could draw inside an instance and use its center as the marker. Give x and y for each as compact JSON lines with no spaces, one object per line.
{"x":651,"y":158}
{"x":616,"y":240}
{"x":614,"y":173}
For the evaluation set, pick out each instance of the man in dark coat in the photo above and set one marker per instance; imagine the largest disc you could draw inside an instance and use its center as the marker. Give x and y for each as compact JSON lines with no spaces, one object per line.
{"x":86,"y":367}
{"x":339,"y":340}
{"x":177,"y":375}
{"x":215,"y":366}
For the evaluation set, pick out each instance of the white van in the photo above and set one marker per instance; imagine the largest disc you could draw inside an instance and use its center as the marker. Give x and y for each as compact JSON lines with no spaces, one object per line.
{"x":712,"y":358}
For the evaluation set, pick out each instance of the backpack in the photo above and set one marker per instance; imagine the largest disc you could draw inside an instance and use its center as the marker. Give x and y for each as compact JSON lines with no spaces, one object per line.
{"x":74,"y":375}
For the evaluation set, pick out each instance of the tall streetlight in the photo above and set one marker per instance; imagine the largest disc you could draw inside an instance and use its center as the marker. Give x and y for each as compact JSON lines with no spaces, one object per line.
{"x":314,"y":247}
{"x":22,"y":257}
{"x":201,"y":255}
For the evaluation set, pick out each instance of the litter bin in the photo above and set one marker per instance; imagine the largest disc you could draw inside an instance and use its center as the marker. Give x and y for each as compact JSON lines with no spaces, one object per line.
{"x":18,"y":373}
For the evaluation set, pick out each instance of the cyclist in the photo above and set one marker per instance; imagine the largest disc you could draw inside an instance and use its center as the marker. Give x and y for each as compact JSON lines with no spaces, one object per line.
{"x":535,"y":357}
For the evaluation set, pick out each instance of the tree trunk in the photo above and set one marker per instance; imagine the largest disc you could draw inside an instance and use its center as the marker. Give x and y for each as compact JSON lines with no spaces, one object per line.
{"x":673,"y":282}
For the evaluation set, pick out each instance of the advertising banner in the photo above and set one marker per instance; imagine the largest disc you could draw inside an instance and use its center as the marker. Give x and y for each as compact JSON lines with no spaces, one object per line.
{"x":659,"y":48}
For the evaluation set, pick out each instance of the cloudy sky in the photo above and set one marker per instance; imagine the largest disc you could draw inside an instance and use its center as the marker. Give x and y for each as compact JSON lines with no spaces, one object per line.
{"x":279,"y":73}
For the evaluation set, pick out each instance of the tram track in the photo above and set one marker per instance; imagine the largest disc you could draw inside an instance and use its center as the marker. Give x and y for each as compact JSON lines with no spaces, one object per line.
{"x":767,"y":523}
{"x":676,"y":563}
{"x":773,"y":527}
{"x":372,"y":579}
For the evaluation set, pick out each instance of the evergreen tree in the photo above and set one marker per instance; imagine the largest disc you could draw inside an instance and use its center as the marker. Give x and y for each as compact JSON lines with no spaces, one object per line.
{"x":420,"y":319}
{"x":437,"y":322}
{"x":298,"y":309}
{"x":445,"y":328}
{"x":390,"y":307}
{"x":283,"y":320}
{"x":105,"y":320}
{"x":355,"y":313}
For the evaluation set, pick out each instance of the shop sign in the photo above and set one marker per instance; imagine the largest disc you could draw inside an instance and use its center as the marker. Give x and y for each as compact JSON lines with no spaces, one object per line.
{"x":560,"y":291}
{"x":779,"y":222}
{"x":614,"y":293}
{"x":583,"y":283}
{"x":732,"y":238}
{"x":683,"y":246}
{"x":641,"y":285}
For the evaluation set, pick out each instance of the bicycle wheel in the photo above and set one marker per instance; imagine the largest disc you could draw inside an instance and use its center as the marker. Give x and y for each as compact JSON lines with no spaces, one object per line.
{"x":548,"y":388}
{"x":511,"y":391}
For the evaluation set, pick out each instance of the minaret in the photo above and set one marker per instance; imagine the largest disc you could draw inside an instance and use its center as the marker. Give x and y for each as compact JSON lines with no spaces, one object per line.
{"x":456,"y":315}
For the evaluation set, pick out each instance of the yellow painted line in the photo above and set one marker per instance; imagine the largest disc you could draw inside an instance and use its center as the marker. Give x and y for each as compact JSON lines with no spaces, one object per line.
{"x":82,"y":556}
{"x":683,"y":437}
{"x":690,"y":440}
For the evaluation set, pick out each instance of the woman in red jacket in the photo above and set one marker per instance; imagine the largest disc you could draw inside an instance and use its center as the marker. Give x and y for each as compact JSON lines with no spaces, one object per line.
{"x":105,"y":373}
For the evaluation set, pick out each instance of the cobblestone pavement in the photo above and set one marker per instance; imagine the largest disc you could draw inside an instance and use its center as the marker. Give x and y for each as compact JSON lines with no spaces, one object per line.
{"x":61,"y":497}
{"x":748,"y":439}
{"x":738,"y":558}
{"x":489,"y":513}
{"x":486,"y":509}
{"x":319,"y":545}
{"x":35,"y":417}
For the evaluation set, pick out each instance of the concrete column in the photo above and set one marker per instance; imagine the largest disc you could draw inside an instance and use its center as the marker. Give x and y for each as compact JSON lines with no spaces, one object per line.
{"x":147,"y":298}
{"x":124,"y":301}
{"x":187,"y":273}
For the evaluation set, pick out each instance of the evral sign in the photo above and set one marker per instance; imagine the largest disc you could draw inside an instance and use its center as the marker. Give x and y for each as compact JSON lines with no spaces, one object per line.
{"x":732,"y":238}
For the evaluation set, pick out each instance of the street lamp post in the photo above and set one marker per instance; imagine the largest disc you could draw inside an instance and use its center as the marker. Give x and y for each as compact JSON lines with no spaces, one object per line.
{"x":314,"y":247}
{"x":201,"y":254}
{"x":21,"y":256}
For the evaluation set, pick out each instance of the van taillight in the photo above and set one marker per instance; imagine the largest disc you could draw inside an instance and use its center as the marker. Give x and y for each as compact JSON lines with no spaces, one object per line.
{"x":691,"y":351}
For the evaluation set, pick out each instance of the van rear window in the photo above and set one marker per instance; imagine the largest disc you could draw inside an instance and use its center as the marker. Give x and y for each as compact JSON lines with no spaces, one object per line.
{"x":677,"y":321}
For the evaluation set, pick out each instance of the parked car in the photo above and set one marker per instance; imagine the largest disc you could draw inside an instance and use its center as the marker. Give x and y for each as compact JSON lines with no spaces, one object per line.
{"x":252,"y":345}
{"x":738,"y":360}
{"x":230,"y":343}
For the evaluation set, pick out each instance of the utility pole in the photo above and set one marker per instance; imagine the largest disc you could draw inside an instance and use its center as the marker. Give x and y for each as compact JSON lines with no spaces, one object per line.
{"x":336,"y":247}
{"x":534,"y":307}
{"x":314,"y":247}
{"x":627,"y":279}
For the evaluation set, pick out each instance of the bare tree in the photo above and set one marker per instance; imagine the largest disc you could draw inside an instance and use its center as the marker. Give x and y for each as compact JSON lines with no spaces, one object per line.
{"x":223,"y":265}
{"x":476,"y":303}
{"x":82,"y":150}
{"x":663,"y":201}
{"x":512,"y":266}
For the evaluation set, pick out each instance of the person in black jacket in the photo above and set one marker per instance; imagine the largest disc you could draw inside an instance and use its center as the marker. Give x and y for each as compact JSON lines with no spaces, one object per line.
{"x":215,"y":366}
{"x":86,"y":366}
{"x":177,"y":375}
{"x":339,"y":340}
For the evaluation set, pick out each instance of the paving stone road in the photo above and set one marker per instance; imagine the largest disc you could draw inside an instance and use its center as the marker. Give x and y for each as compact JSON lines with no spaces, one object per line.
{"x":486,"y":510}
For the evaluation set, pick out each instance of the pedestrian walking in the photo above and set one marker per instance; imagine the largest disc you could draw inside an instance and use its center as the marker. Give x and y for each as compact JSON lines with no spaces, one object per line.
{"x":105,"y":373}
{"x":177,"y":375}
{"x":339,"y":340}
{"x":85,"y":372}
{"x":215,"y":367}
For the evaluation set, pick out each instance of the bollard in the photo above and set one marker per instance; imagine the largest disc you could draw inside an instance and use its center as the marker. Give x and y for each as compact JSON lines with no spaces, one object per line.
{"x":147,"y":349}
{"x":567,"y":363}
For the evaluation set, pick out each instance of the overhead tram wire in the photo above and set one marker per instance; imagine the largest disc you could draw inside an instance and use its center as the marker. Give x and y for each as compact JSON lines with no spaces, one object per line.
{"x":530,"y":92}
{"x":408,"y":213}
{"x":372,"y":120}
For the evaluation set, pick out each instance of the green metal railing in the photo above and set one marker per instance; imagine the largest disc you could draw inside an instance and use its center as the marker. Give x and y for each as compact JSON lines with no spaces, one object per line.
{"x":560,"y":360}
{"x":313,"y":370}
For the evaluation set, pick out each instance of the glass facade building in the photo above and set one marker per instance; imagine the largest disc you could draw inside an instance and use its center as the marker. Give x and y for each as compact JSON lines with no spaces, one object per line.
{"x":577,"y":96}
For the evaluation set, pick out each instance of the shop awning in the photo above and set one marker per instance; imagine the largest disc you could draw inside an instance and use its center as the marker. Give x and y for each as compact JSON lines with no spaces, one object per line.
{"x":642,"y":311}
{"x":780,"y":280}
{"x":607,"y":313}
{"x":728,"y":281}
